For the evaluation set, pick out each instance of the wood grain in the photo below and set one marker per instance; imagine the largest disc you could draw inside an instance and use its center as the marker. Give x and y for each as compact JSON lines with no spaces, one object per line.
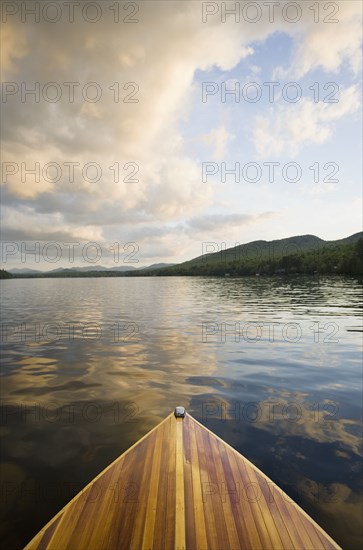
{"x":181,"y":487}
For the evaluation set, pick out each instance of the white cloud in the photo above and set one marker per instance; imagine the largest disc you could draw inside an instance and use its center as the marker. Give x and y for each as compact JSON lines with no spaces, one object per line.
{"x":228,"y":225}
{"x":316,"y":190}
{"x":256,"y":69}
{"x":14,"y":47}
{"x":326,"y":44}
{"x":161,"y":55}
{"x":162,"y":66}
{"x":218,"y":138}
{"x":288,"y":129}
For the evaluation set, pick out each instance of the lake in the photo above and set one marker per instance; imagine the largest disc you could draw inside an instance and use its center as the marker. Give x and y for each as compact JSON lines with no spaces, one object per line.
{"x":272,"y":365}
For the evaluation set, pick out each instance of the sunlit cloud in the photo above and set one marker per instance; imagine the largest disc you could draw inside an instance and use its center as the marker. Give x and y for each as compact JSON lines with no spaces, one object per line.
{"x":145,"y":82}
{"x":291,"y":128}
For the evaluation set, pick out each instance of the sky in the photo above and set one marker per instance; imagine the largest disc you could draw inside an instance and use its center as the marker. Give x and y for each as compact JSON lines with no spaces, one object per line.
{"x":135,"y":133}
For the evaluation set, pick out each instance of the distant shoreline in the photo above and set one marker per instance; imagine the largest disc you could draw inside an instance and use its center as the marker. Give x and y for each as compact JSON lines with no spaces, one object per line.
{"x":301,"y":255}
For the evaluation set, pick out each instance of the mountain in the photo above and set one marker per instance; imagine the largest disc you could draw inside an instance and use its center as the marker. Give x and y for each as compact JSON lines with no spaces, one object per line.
{"x":123,"y":268}
{"x":94,"y":270}
{"x":157,"y":266}
{"x":306,"y":254}
{"x":101,"y":268}
{"x":348,"y":240}
{"x":5,"y":274}
{"x":91,"y":268}
{"x":258,"y":250}
{"x":22,"y":271}
{"x":302,"y":254}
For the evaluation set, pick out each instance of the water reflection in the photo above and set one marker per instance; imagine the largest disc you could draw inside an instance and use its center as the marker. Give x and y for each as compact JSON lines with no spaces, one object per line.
{"x":90,"y":365}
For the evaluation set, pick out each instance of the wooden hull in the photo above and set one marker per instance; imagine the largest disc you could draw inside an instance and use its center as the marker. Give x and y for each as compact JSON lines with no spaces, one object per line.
{"x":181,"y":487}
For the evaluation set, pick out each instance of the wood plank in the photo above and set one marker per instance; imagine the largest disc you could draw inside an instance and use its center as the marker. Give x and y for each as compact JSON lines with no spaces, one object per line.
{"x":200,"y":530}
{"x":219,"y":516}
{"x":179,"y":484}
{"x":47,"y":535}
{"x":261,"y":506}
{"x":138,"y":527}
{"x":288,"y":531}
{"x":161,"y":508}
{"x":299,"y":515}
{"x":245,"y":524}
{"x":126,"y":499}
{"x":149,"y":523}
{"x":225,"y":503}
{"x":190,"y":536}
{"x":169,"y":538}
{"x":189,"y":490}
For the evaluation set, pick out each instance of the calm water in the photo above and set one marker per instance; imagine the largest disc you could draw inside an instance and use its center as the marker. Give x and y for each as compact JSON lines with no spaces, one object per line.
{"x":271,"y":365}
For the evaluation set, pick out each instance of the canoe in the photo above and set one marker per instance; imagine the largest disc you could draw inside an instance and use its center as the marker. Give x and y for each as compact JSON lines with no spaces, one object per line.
{"x":181,"y":487}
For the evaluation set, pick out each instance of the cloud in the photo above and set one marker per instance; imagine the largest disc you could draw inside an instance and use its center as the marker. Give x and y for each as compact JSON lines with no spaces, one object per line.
{"x":144,"y":73}
{"x":290,"y":128}
{"x":328,"y":44}
{"x":330,"y":49}
{"x":22,"y":224}
{"x":155,"y":68}
{"x":315,"y":190}
{"x":14,"y":47}
{"x":217,"y":138}
{"x":212,"y":224}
